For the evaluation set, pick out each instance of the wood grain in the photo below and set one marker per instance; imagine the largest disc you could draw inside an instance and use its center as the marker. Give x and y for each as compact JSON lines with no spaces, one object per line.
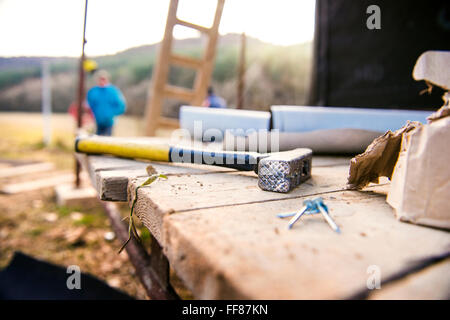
{"x":246,"y":252}
{"x":221,"y":234}
{"x":433,"y":283}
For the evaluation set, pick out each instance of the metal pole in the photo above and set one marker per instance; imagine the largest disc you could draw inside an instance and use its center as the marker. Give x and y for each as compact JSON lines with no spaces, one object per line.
{"x":81,"y":94}
{"x":241,"y":75}
{"x":46,"y":104}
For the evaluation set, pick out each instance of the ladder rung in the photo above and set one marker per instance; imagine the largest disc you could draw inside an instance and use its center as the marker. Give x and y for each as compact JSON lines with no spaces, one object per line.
{"x":193,"y":26}
{"x":185,"y":61}
{"x":179,"y":93}
{"x":168,"y":122}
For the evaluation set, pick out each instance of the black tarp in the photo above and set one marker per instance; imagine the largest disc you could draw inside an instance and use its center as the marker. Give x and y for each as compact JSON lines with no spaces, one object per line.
{"x":355,"y":66}
{"x":27,"y":278}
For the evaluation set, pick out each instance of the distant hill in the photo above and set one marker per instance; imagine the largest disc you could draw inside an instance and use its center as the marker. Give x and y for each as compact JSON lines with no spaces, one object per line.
{"x":275,"y":75}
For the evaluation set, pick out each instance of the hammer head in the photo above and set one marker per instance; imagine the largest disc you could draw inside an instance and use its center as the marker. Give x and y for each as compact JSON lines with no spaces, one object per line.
{"x":283,"y":171}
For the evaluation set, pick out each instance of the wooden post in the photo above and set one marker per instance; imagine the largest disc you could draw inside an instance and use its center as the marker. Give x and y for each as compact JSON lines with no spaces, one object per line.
{"x":80,"y":94}
{"x":241,"y":74}
{"x":46,"y":104}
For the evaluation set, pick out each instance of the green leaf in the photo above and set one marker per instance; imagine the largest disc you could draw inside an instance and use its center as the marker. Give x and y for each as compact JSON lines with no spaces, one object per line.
{"x":149,"y":180}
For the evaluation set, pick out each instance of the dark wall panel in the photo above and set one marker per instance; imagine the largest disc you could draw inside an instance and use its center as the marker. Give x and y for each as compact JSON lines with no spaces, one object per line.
{"x":355,"y":66}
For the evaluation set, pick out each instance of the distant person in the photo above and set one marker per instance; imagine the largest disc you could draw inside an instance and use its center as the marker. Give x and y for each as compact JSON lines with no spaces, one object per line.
{"x":87,"y":118}
{"x":213,"y":101}
{"x":106,"y":102}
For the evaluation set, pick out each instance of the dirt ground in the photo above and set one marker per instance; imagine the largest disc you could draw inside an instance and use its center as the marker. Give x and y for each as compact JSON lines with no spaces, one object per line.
{"x":34,"y":224}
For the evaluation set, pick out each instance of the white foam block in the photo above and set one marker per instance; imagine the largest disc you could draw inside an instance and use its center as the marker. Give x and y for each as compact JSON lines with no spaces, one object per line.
{"x":303,"y":118}
{"x":212,"y":119}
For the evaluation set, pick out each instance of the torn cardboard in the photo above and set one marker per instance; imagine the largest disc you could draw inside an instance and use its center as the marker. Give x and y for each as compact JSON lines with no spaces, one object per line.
{"x":415,"y":156}
{"x":420,"y":189}
{"x":432,"y":66}
{"x":379,"y":158}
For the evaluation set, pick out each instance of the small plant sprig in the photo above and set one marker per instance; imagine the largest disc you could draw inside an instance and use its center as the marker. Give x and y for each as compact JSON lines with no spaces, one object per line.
{"x":131,"y":226}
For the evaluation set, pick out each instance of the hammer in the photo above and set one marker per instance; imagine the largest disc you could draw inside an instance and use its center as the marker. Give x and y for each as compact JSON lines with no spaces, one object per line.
{"x":278,"y":171}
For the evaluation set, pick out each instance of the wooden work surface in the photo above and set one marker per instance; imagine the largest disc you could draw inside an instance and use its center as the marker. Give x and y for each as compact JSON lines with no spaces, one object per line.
{"x":221,"y":234}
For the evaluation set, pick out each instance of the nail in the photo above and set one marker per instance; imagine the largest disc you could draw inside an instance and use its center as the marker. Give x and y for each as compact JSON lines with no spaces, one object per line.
{"x":308,"y":205}
{"x":324,"y":210}
{"x":286,"y":214}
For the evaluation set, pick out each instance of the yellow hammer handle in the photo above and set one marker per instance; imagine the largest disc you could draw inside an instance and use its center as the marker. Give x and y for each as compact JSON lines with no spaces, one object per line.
{"x":122,"y":148}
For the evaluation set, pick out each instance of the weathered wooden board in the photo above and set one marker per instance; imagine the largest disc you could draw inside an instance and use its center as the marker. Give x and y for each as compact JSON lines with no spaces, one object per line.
{"x":110,"y":176}
{"x":245,"y":251}
{"x":25,"y":169}
{"x":221,"y":235}
{"x":432,"y":283}
{"x":192,"y":192}
{"x":47,"y":182}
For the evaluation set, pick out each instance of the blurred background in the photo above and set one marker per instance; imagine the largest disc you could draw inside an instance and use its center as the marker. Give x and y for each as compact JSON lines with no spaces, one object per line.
{"x":122,"y":38}
{"x":297,"y":53}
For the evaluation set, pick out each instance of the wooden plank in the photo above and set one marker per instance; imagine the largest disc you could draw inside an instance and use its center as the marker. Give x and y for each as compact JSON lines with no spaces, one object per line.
{"x":93,"y":163}
{"x":192,"y":192}
{"x":179,"y":93}
{"x":184,"y":61}
{"x":14,"y":188}
{"x":432,"y":283}
{"x":25,"y":169}
{"x":245,"y":251}
{"x":112,"y":185}
{"x":15,"y":162}
{"x":169,"y":122}
{"x":193,"y":26}
{"x":110,"y":175}
{"x":152,"y":270}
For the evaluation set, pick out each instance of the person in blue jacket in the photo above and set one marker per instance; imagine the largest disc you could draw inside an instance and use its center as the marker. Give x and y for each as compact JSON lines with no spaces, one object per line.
{"x":213,"y":101}
{"x":106,"y":102}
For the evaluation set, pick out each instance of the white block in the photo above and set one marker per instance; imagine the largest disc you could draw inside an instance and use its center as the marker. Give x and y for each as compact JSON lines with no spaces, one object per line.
{"x":223,"y":119}
{"x":303,"y":119}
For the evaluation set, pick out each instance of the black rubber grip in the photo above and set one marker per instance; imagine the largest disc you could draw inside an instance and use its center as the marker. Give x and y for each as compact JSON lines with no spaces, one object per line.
{"x":237,"y":160}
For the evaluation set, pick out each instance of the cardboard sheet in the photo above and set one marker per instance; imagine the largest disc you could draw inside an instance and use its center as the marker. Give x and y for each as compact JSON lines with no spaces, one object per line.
{"x":379,"y":158}
{"x":416,"y":156}
{"x":420,"y":189}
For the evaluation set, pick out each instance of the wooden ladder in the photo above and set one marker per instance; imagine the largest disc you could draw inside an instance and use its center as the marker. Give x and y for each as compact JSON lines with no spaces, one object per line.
{"x":160,"y":89}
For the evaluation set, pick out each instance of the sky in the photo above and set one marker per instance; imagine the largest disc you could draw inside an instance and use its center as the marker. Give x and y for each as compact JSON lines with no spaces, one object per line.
{"x":55,"y":27}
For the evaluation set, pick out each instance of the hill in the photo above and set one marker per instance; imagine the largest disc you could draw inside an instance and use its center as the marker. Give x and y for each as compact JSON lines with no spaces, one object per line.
{"x":275,"y":75}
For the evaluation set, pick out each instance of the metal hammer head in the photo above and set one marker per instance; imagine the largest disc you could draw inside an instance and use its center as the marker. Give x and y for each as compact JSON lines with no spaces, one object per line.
{"x":283,"y":171}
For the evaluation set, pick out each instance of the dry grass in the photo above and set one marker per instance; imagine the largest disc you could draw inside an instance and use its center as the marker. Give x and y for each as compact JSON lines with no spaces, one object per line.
{"x":34,"y":224}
